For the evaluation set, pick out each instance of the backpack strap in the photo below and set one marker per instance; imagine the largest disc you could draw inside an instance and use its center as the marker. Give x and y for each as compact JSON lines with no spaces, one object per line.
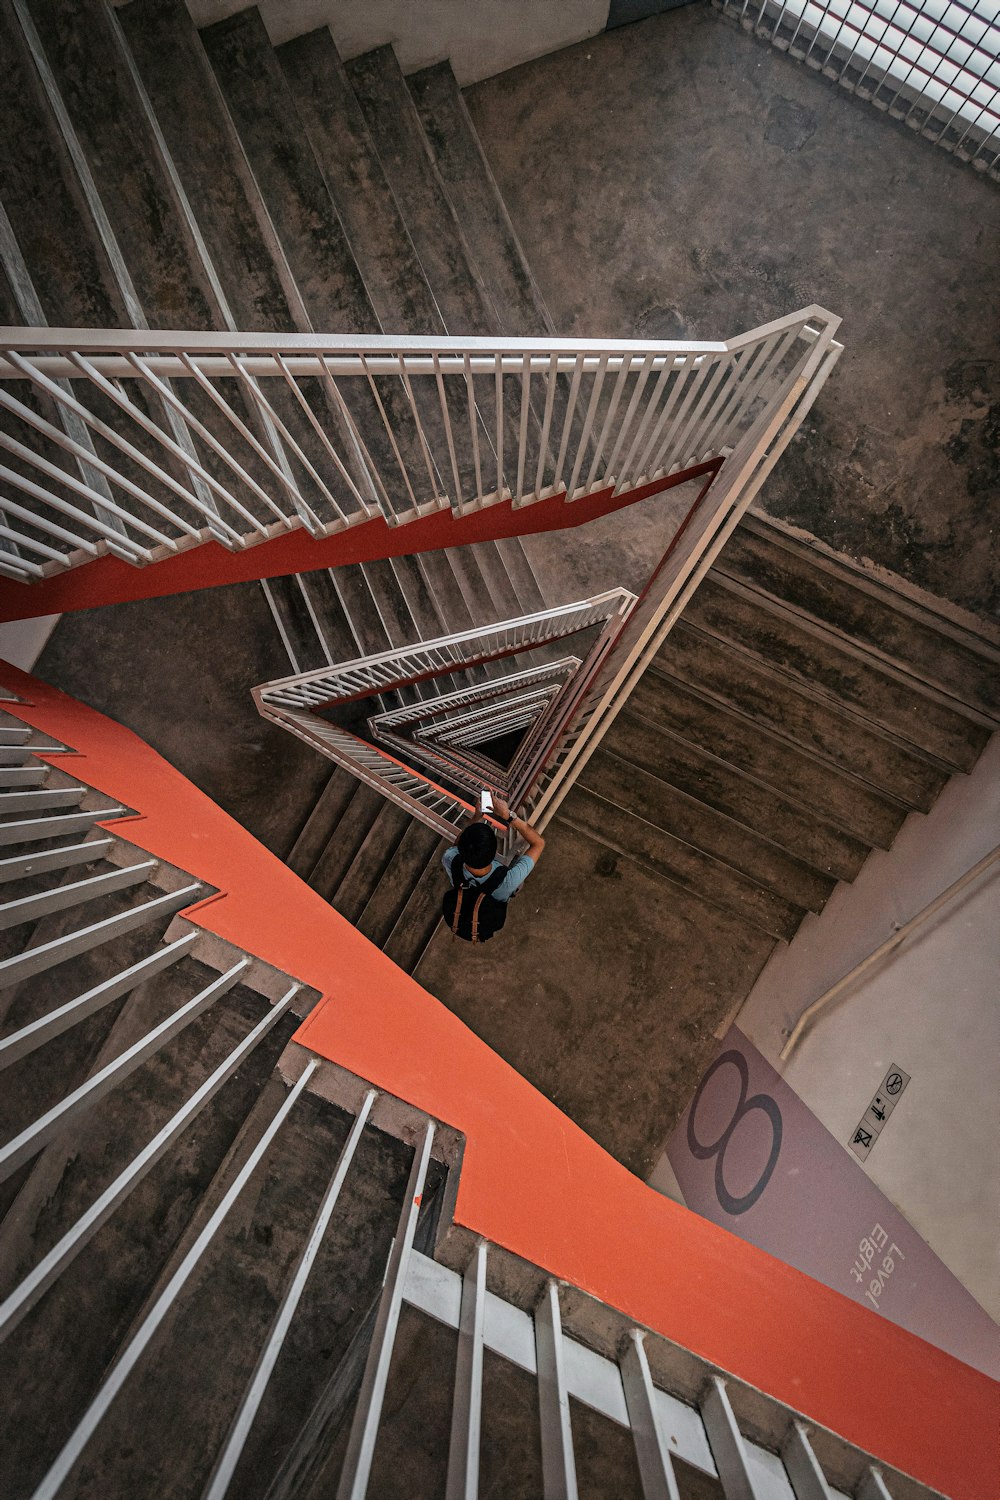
{"x":455,"y":871}
{"x":494,"y":881}
{"x":460,"y":889}
{"x":489,"y":885}
{"x":475,"y":916}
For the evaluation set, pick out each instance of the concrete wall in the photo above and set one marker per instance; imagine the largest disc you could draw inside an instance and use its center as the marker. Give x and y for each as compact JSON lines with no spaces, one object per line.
{"x":932,"y":1007}
{"x":480,"y":37}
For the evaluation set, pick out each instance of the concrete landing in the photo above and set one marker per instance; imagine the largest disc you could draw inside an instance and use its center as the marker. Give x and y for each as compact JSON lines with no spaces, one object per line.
{"x":677,"y":179}
{"x":604,"y":990}
{"x":178,"y":671}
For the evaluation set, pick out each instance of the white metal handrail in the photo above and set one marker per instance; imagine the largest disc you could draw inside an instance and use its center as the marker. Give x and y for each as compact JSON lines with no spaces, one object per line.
{"x":435,"y":782}
{"x":143,"y":444}
{"x":934,"y":64}
{"x":399,"y":666}
{"x":688,"y":558}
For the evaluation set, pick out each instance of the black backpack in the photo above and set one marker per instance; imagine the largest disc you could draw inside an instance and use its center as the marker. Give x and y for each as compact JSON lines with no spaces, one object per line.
{"x":471,"y":910}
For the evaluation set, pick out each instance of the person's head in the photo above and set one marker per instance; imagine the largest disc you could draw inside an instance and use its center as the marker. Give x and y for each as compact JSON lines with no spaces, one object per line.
{"x":477,"y":846}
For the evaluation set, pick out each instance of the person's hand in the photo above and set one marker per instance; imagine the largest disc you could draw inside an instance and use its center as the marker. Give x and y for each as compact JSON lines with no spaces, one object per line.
{"x":501,"y":808}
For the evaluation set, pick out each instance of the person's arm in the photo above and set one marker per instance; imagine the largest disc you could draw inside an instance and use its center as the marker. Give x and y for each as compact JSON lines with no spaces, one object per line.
{"x":531,"y":836}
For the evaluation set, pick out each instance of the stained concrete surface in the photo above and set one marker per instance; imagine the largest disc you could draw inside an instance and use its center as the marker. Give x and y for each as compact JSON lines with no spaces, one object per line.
{"x":645,"y":207}
{"x":179,"y":672}
{"x":604,"y":990}
{"x":678,"y":179}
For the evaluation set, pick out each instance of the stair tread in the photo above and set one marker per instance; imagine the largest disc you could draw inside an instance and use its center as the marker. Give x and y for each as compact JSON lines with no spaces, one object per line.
{"x":659,"y":802}
{"x":751,"y":623}
{"x":349,"y":833}
{"x":726,"y":788}
{"x":183,"y":90}
{"x":489,"y":234}
{"x":101,"y":101}
{"x":368,"y":866}
{"x":288,"y":177}
{"x":817,"y":728}
{"x":867,"y":608}
{"x":305,"y":651}
{"x":393,"y":608}
{"x":338,"y":631}
{"x":419,"y":917}
{"x":319,"y":825}
{"x":75,"y":290}
{"x":680,"y":862}
{"x":415,"y":851}
{"x":346,"y":153}
{"x":353,"y":587}
{"x":710,"y":725}
{"x":434,"y":230}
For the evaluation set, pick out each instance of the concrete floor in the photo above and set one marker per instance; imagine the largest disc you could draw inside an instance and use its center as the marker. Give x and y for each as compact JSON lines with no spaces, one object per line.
{"x":604,"y":989}
{"x":646,"y":208}
{"x":677,"y":178}
{"x":179,"y":672}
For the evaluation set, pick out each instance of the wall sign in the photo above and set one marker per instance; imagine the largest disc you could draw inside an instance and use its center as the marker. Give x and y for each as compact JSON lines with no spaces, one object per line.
{"x":869,"y":1127}
{"x":749,"y":1155}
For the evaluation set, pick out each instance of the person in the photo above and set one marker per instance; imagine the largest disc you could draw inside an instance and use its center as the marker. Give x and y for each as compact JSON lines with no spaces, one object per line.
{"x":475,"y":906}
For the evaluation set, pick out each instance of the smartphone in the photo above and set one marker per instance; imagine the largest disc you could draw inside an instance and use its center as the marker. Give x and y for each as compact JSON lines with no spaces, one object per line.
{"x":485,"y":801}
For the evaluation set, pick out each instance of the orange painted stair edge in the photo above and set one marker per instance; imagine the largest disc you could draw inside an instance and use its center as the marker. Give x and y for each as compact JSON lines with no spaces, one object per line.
{"x":531,"y":1180}
{"x":108,"y":580}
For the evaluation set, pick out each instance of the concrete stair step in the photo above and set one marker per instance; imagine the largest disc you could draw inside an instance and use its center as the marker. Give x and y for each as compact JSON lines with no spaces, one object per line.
{"x":519,"y":570}
{"x":710,"y":725}
{"x":155,"y":256}
{"x":490,"y":237}
{"x":287,"y":175}
{"x":756,"y":623}
{"x":416,"y":851}
{"x":326,"y":605}
{"x":370,"y":864}
{"x":771,"y":699}
{"x":78,"y":290}
{"x":101,"y":101}
{"x":498,"y":579}
{"x":296,"y":626}
{"x":884,"y":614}
{"x":393,"y":273}
{"x":227,"y":1310}
{"x":346,"y":839}
{"x":210,"y":163}
{"x":488,"y":601}
{"x":437,"y":230}
{"x":99,"y":1292}
{"x":393,"y":607}
{"x":673,"y":859}
{"x":729,"y":790}
{"x":250,"y":281}
{"x":74,"y":290}
{"x":415,"y":925}
{"x":620,"y":780}
{"x":402,"y":297}
{"x":341,"y":141}
{"x":318,"y":828}
{"x":430,"y":219}
{"x":309,"y":232}
{"x":360,"y":606}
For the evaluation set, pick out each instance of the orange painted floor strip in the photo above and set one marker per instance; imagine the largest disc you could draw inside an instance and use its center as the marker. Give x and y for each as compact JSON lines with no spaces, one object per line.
{"x":531,"y":1180}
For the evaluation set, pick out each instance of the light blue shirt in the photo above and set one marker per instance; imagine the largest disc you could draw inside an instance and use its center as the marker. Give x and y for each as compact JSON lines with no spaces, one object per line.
{"x":517,"y":873}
